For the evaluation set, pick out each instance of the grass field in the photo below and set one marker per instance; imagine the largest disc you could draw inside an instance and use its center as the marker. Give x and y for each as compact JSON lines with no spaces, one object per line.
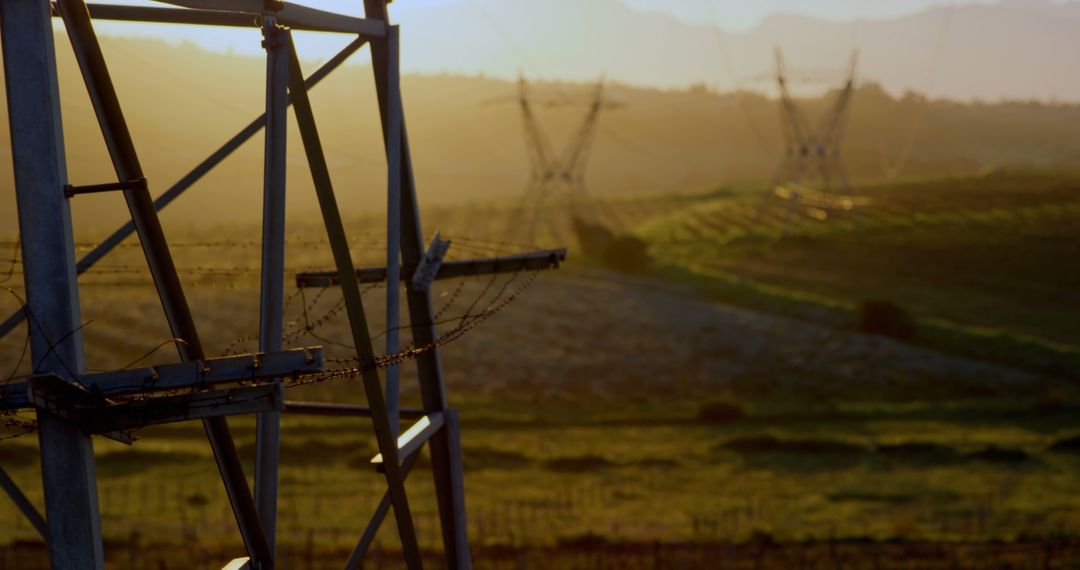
{"x":979,"y":262}
{"x":585,"y":402}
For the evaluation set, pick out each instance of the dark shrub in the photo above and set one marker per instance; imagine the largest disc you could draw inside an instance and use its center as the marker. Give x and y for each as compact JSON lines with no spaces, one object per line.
{"x":769,"y":444}
{"x":619,"y":252}
{"x":578,"y":464}
{"x":627,"y":253}
{"x":1066,"y":445}
{"x":589,"y":540}
{"x":135,"y":460}
{"x":594,"y":239}
{"x":872,"y":497}
{"x":1000,"y":456}
{"x":479,"y":458}
{"x":720,"y":413}
{"x":884,"y":318}
{"x":753,"y":444}
{"x":13,"y":454}
{"x":657,"y":463}
{"x":197,"y":500}
{"x":918,"y":453}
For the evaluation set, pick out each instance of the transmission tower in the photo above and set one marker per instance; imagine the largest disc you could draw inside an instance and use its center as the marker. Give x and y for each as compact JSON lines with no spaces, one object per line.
{"x":812,"y":157}
{"x":556,"y":180}
{"x":72,"y":405}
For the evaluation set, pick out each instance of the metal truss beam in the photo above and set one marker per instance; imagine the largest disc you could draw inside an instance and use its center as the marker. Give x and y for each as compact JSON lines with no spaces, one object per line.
{"x":445,"y":459}
{"x":72,"y":404}
{"x":97,"y":415}
{"x":538,"y":261}
{"x":192,"y":374}
{"x":68,"y":472}
{"x":121,"y":147}
{"x":217,"y":157}
{"x":297,"y":17}
{"x":194,"y":406}
{"x":22,"y":502}
{"x":356,"y":558}
{"x":415,"y":437}
{"x":272,"y":277}
{"x":393,"y":115}
{"x":342,"y":410}
{"x":354,"y":306}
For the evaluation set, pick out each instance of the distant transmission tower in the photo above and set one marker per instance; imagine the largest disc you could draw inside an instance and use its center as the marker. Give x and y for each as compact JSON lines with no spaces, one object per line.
{"x":557,"y":180}
{"x":73,"y":404}
{"x":812,"y":158}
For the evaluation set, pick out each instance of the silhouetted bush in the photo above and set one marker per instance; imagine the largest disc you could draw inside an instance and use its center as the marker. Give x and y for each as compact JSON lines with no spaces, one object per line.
{"x":12,"y":455}
{"x":479,"y":458}
{"x":589,"y":540}
{"x":1000,"y":455}
{"x":136,"y":460}
{"x":1066,"y":445}
{"x":627,"y":253}
{"x":594,"y":239}
{"x":918,"y":453}
{"x":578,"y":464}
{"x":721,"y":413}
{"x":197,"y":500}
{"x":884,"y":318}
{"x":769,"y":444}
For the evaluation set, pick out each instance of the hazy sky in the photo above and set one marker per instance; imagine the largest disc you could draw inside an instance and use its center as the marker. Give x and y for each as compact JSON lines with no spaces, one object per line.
{"x":742,"y":14}
{"x":728,"y":14}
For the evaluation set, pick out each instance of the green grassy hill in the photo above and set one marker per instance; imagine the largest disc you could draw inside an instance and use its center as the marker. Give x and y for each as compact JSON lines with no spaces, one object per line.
{"x":983,"y":259}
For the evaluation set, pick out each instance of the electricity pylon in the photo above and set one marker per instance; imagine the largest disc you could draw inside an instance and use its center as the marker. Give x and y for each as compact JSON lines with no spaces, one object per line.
{"x":813,"y":157}
{"x":556,"y":180}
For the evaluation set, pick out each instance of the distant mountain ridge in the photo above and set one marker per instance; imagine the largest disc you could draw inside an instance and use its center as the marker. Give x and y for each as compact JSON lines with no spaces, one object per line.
{"x":1016,"y":49}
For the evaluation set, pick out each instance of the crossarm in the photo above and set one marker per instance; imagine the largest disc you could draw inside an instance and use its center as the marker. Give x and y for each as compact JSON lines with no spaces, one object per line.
{"x":537,"y":261}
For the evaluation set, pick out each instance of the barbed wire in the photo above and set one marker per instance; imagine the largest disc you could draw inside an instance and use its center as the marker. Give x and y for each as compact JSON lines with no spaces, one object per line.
{"x":151,"y":352}
{"x":18,"y":426}
{"x":14,"y":262}
{"x":466,"y":323}
{"x":497,"y":293}
{"x":451,"y":298}
{"x":26,"y":341}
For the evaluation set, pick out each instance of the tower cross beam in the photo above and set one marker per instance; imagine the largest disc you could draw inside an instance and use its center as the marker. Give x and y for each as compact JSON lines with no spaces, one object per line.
{"x":294,"y":16}
{"x":536,"y":261}
{"x":200,"y":374}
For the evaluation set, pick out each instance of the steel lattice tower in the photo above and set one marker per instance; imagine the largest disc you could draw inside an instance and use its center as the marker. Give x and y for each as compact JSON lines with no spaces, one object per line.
{"x":73,"y":405}
{"x":556,"y":180}
{"x":812,"y":157}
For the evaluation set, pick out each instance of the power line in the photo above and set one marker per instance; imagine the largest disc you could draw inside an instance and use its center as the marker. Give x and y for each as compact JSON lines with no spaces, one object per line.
{"x":733,"y":76}
{"x":894,"y":170}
